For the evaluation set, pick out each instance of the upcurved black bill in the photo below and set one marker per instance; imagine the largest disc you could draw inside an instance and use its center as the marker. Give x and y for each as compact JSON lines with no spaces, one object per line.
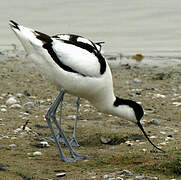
{"x":141,"y":127}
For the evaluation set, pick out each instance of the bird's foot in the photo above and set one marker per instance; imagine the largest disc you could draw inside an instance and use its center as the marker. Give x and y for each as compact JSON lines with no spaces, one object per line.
{"x":73,"y":142}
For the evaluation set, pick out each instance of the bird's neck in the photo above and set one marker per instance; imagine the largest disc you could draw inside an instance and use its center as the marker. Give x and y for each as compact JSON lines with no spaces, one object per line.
{"x":108,"y":105}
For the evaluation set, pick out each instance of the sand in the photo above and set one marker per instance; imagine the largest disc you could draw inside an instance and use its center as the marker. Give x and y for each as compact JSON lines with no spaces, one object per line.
{"x":157,"y":88}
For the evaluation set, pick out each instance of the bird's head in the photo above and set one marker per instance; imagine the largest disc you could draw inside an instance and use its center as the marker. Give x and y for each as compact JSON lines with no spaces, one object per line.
{"x":132,"y":111}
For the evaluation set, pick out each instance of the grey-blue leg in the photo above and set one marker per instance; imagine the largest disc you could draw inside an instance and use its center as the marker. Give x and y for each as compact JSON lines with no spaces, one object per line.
{"x":51,"y":114}
{"x":73,"y":140}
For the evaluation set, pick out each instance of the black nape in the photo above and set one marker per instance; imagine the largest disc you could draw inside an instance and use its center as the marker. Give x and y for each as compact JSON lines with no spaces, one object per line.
{"x":136,"y":107}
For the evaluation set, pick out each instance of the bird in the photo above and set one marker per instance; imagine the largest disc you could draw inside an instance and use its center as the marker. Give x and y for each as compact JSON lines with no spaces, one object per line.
{"x":76,"y":65}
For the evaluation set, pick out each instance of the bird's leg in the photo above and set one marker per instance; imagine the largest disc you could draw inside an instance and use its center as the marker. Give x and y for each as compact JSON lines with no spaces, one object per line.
{"x":51,"y":115}
{"x":73,"y":140}
{"x":60,"y":116}
{"x":75,"y":155}
{"x":61,"y":106}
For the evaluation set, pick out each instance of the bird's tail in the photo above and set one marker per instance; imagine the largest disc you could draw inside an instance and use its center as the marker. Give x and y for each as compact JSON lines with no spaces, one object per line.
{"x":28,"y":37}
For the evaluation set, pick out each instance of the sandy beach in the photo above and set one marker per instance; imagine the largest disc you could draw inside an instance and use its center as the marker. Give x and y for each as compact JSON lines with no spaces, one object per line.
{"x":157,"y":88}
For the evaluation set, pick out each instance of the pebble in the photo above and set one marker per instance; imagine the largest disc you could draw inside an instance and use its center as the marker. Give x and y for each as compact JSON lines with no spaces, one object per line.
{"x":163,"y":143}
{"x":15,"y":106}
{"x":29,"y":105}
{"x":168,"y":138}
{"x":93,"y":177}
{"x":27,"y":129}
{"x":136,"y":80}
{"x":37,"y":153}
{"x":3,"y":110}
{"x":26,"y":93}
{"x":126,"y":173}
{"x":19,"y":95}
{"x":144,"y":150}
{"x":159,"y":96}
{"x":4,"y":137}
{"x":43,"y":144}
{"x":11,"y":100}
{"x":153,"y":137}
{"x":105,"y":140}
{"x":12,"y":145}
{"x":3,"y":106}
{"x":119,"y":178}
{"x":177,"y":104}
{"x":129,"y":143}
{"x":155,"y":122}
{"x":162,"y":132}
{"x":71,"y":117}
{"x":106,"y":176}
{"x":61,"y":174}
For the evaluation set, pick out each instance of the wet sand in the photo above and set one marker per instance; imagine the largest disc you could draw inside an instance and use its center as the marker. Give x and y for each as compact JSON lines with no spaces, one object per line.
{"x":157,"y":88}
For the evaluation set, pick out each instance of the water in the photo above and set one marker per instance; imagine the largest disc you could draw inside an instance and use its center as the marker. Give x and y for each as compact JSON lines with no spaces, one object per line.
{"x":145,"y":26}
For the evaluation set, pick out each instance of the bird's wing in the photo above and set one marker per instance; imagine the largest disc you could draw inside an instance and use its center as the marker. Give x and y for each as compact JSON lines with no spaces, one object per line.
{"x":78,"y":54}
{"x":72,"y":53}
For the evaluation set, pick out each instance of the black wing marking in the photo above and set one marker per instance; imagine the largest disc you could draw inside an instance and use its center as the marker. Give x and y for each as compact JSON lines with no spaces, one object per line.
{"x":84,"y":44}
{"x":47,"y":44}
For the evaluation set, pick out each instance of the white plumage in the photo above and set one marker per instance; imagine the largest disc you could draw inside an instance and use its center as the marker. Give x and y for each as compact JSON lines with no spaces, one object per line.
{"x":76,"y":64}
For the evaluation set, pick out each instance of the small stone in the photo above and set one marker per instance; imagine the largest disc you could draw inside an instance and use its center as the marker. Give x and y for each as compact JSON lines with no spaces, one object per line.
{"x":13,"y":138}
{"x":4,"y":137}
{"x":3,"y":110}
{"x":19,"y":95}
{"x":105,"y":140}
{"x":3,"y":94}
{"x":159,"y":96}
{"x":155,"y":122}
{"x":86,"y":105}
{"x":163,"y":143}
{"x":153,"y":137}
{"x":119,"y":178}
{"x":41,"y":102}
{"x":26,"y":93}
{"x":136,"y":80}
{"x":162,"y":132}
{"x":93,"y":177}
{"x":177,"y":104}
{"x":71,"y":117}
{"x":106,"y":176}
{"x":37,"y":153}
{"x":29,"y":105}
{"x":129,"y":143}
{"x":168,"y":138}
{"x":15,"y":106}
{"x":126,"y":173}
{"x":140,"y":177}
{"x":43,"y":144}
{"x":11,"y":100}
{"x":12,"y":145}
{"x":61,"y":174}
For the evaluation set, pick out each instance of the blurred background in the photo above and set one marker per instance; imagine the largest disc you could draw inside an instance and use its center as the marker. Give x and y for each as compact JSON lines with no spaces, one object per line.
{"x":125,"y":26}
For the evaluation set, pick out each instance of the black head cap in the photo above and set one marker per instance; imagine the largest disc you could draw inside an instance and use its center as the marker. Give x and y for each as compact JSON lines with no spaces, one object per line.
{"x":138,"y":110}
